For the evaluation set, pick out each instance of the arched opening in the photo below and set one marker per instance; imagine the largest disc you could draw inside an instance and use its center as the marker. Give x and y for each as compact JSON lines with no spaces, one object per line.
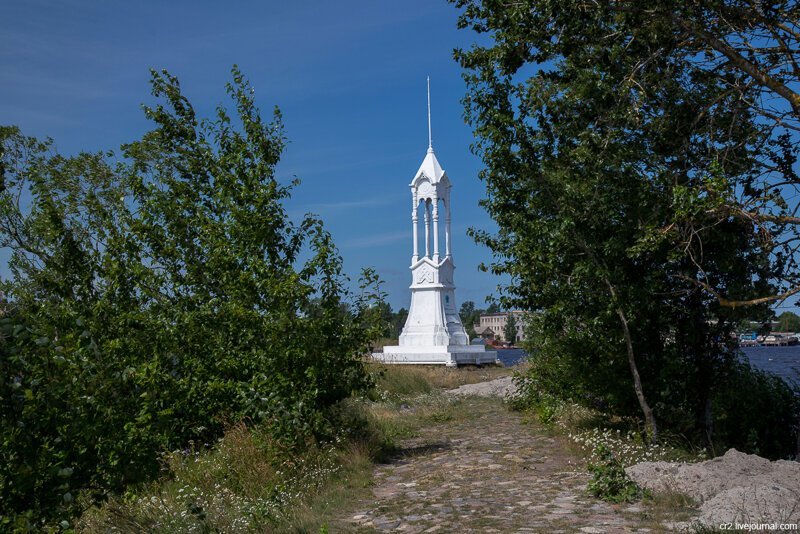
{"x":432,"y":213}
{"x":422,"y":228}
{"x":431,"y":225}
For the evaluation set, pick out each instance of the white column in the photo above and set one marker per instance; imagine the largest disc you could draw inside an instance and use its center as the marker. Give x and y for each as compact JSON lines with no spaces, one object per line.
{"x":436,"y":230}
{"x":447,"y":227}
{"x":415,"y":254}
{"x":427,"y":229}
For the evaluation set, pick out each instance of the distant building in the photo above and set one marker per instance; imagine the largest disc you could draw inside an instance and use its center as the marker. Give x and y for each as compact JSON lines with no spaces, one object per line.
{"x":485,"y":333}
{"x":496,"y":322}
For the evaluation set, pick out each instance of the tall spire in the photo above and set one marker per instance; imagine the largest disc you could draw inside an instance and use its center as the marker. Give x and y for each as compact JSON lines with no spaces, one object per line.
{"x":430,"y":138}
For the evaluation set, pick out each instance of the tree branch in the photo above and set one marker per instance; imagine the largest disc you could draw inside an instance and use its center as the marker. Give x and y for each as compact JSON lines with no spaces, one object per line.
{"x":743,"y":64}
{"x":723,"y":301}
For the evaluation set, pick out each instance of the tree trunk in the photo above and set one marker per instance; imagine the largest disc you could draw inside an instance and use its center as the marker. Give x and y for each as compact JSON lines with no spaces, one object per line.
{"x":709,"y":426}
{"x":637,"y":381}
{"x":703,"y":359}
{"x":797,"y":456}
{"x":649,"y":417}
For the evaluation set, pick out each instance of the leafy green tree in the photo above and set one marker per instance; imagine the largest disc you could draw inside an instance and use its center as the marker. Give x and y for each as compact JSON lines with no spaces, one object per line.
{"x":470,"y":316}
{"x":384,"y":316}
{"x":608,"y":153}
{"x":467,"y":311}
{"x":789,"y":322}
{"x":154,"y":300}
{"x":399,"y":321}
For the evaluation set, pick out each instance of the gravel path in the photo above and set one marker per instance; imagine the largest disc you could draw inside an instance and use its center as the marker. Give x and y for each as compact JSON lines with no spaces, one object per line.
{"x":487,"y":471}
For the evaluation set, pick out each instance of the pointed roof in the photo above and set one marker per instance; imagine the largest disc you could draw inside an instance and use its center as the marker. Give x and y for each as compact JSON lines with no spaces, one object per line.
{"x":430,"y":168}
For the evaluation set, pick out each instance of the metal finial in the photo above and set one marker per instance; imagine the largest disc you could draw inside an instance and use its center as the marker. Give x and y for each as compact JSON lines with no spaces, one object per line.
{"x":430,"y":138}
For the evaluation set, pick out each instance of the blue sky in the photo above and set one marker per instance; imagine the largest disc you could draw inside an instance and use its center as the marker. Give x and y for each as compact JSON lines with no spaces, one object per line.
{"x":348,"y":76}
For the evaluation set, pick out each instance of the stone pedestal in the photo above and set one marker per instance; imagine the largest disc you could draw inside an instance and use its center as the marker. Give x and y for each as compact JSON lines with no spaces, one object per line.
{"x":449,"y":355}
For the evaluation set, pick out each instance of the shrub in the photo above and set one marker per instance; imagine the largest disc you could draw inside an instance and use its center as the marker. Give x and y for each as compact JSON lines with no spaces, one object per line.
{"x":609,"y":480}
{"x":756,"y":412}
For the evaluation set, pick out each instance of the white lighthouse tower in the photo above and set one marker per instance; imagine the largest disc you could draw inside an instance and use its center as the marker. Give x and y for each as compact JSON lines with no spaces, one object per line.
{"x":433,"y":333}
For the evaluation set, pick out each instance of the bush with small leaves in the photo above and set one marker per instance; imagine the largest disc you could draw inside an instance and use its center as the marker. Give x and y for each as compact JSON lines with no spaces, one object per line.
{"x":609,"y":480}
{"x":154,"y":301}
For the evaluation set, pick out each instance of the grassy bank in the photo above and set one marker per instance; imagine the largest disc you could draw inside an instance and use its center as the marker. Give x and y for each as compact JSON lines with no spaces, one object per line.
{"x":242,"y":484}
{"x":247,"y":483}
{"x":415,"y":379}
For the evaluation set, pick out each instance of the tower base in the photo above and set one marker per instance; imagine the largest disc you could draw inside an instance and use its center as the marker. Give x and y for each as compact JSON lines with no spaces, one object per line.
{"x":449,"y":355}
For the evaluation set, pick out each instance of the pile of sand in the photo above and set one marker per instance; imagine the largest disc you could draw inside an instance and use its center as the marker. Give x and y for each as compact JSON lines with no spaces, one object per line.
{"x":736,"y":487}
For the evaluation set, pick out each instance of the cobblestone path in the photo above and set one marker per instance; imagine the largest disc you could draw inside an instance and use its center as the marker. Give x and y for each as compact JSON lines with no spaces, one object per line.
{"x":488,"y":472}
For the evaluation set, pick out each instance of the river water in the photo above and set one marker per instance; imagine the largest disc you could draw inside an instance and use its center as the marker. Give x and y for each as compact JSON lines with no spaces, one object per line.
{"x":511,"y":357}
{"x":782,"y":361}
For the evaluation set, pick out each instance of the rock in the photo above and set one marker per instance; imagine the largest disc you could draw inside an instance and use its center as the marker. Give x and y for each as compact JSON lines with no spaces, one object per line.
{"x":734,"y":487}
{"x":500,"y":387}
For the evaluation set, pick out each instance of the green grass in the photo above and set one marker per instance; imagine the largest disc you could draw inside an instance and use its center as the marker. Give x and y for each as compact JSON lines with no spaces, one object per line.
{"x":587,"y":429}
{"x":405,"y":380}
{"x":243,"y":484}
{"x":402,"y":381}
